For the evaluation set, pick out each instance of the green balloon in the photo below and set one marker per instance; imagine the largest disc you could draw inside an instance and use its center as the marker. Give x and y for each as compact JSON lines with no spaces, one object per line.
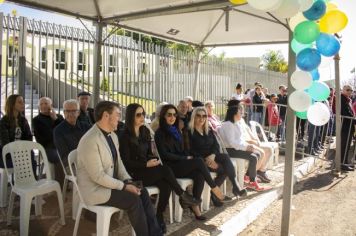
{"x":302,"y":115}
{"x":319,"y":91}
{"x":297,"y":47}
{"x":306,"y":32}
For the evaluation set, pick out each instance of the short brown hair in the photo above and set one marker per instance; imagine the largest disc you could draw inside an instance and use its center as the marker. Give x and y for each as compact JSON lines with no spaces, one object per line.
{"x":103,"y":106}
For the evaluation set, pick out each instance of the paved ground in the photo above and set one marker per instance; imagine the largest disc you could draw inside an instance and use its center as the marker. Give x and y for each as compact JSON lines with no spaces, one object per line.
{"x":323,"y":205}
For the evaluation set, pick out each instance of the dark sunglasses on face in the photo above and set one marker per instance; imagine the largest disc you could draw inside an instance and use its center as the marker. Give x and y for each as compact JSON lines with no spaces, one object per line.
{"x":202,"y":116}
{"x":138,"y":115}
{"x":169,"y":114}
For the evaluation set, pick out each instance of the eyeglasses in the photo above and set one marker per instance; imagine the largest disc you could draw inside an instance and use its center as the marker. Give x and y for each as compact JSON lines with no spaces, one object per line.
{"x":169,"y":114}
{"x":201,"y":116}
{"x":71,"y":111}
{"x":138,"y":115}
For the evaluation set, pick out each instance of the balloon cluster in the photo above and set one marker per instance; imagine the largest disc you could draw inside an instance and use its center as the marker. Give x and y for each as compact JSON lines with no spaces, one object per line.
{"x":314,"y":23}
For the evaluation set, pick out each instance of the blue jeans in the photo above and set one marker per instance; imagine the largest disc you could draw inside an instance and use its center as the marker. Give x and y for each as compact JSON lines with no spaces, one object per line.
{"x":257,"y":116}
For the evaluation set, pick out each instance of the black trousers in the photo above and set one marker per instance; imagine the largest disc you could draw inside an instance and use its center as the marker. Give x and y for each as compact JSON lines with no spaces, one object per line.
{"x":161,"y":176}
{"x":346,"y":139}
{"x":250,"y":156}
{"x":139,"y":209}
{"x":225,"y":168}
{"x":194,"y":169}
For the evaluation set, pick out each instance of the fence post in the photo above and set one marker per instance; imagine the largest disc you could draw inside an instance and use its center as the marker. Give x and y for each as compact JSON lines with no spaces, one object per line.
{"x":196,"y":73}
{"x":97,"y":60}
{"x":1,"y":32}
{"x":337,"y":114}
{"x":157,"y":91}
{"x":21,"y":70}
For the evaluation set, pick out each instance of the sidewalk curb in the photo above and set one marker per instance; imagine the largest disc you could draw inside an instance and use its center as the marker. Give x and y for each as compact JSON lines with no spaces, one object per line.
{"x":256,"y":207}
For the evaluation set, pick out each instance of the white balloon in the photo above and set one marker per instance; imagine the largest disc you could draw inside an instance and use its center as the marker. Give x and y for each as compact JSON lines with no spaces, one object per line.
{"x":318,"y":114}
{"x":287,"y":9}
{"x":265,"y":5}
{"x":295,"y":20}
{"x":301,"y":79}
{"x":305,"y":4}
{"x":299,"y":100}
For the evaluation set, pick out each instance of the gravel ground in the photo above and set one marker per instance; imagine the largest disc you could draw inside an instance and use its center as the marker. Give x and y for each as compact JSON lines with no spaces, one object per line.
{"x":322,"y":205}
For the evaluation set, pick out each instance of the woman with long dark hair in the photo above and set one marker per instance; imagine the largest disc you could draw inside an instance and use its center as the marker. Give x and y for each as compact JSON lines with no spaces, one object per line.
{"x":14,"y":126}
{"x":205,"y":146}
{"x":138,"y":158}
{"x":169,"y":142}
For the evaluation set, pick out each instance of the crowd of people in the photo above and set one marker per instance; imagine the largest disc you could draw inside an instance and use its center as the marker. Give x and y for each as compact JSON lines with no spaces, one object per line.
{"x":117,"y":159}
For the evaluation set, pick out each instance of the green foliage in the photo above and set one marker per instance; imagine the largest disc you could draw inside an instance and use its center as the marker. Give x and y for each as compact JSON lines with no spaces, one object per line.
{"x":104,"y":86}
{"x":274,"y":61}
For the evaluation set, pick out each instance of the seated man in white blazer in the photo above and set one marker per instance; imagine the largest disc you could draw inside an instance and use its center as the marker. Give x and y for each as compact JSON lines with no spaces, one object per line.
{"x":102,"y":177}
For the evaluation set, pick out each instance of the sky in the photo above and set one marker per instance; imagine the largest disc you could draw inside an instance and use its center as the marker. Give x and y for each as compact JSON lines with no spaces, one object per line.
{"x":347,"y":52}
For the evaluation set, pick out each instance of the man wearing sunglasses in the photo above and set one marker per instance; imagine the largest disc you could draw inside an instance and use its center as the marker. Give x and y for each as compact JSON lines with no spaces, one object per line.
{"x":348,"y":127}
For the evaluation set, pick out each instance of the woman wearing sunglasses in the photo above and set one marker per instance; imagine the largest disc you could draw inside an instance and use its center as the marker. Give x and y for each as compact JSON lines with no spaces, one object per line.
{"x":136,"y":152}
{"x":169,"y":141}
{"x":204,"y":145}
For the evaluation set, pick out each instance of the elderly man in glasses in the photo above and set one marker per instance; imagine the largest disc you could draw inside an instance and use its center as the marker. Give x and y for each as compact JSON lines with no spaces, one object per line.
{"x":348,"y":127}
{"x":67,"y":134}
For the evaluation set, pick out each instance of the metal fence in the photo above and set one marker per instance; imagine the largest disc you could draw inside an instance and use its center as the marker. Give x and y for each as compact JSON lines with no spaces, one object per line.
{"x":59,"y":62}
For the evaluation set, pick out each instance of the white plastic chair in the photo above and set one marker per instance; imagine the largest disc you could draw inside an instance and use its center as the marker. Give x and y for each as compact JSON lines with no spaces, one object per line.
{"x":206,"y":193}
{"x":178,"y":210}
{"x":25,"y":184}
{"x":103,"y":213}
{"x":154,"y":190}
{"x":274,"y":145}
{"x":3,"y":186}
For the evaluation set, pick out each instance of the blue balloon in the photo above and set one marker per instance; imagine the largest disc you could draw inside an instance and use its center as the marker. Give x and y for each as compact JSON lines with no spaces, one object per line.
{"x":308,"y":59}
{"x":315,"y":74}
{"x":316,"y":11}
{"x":327,"y":45}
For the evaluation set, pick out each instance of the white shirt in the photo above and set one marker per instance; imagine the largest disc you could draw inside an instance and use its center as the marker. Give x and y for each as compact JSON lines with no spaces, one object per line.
{"x":234,"y":135}
{"x":239,"y":97}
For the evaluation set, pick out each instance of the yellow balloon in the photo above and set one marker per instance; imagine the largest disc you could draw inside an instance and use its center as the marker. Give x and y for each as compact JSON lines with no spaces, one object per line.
{"x":238,"y":2}
{"x":331,"y":6}
{"x":333,"y":21}
{"x":1,"y":1}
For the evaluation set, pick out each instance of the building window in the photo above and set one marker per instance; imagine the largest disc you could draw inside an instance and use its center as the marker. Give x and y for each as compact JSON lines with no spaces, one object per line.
{"x":112,"y":67}
{"x":60,"y":59}
{"x":44,"y":58}
{"x":82,"y":64}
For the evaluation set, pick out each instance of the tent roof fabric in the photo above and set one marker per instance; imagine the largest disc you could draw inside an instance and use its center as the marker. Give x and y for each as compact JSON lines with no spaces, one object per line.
{"x":197,"y":22}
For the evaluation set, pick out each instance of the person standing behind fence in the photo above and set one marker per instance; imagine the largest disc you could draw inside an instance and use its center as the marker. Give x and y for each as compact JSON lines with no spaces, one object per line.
{"x":348,"y":127}
{"x":282,"y":101}
{"x":14,"y":126}
{"x":274,"y":120}
{"x":239,"y":95}
{"x":258,"y":99}
{"x":86,"y":113}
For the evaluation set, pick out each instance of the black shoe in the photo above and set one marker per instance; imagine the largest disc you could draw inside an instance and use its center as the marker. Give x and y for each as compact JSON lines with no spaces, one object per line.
{"x":227,"y":199}
{"x":162,"y":224}
{"x":187,"y":200}
{"x":201,"y":217}
{"x":216,"y":201}
{"x":240,"y":193}
{"x":263,"y":177}
{"x":347,"y":168}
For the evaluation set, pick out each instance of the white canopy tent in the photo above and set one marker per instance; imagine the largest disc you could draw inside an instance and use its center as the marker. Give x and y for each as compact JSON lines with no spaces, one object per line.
{"x":203,"y":23}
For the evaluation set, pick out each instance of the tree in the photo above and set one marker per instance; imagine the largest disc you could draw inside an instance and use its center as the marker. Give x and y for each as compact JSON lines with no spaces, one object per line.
{"x":105,"y":85}
{"x":274,"y":61}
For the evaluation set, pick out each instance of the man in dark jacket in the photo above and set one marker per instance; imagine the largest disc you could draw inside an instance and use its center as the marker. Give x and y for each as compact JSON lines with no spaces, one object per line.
{"x":86,"y":113}
{"x":43,"y":125}
{"x":68,"y":133}
{"x":348,"y":127}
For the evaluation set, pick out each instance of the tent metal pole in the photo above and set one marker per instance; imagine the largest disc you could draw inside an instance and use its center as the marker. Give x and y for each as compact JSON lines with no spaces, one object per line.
{"x":290,"y":149}
{"x":97,"y":60}
{"x":196,"y":73}
{"x":337,"y":114}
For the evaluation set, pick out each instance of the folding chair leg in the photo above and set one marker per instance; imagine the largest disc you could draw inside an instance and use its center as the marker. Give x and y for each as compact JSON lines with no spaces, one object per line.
{"x":60,"y":203}
{"x":103,"y":224}
{"x":3,"y":187}
{"x":25,"y":209}
{"x":77,"y":220}
{"x":10,"y":208}
{"x":64,"y":191}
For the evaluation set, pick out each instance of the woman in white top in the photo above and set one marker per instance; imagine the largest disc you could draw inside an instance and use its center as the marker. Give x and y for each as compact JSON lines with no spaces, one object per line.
{"x":238,"y":144}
